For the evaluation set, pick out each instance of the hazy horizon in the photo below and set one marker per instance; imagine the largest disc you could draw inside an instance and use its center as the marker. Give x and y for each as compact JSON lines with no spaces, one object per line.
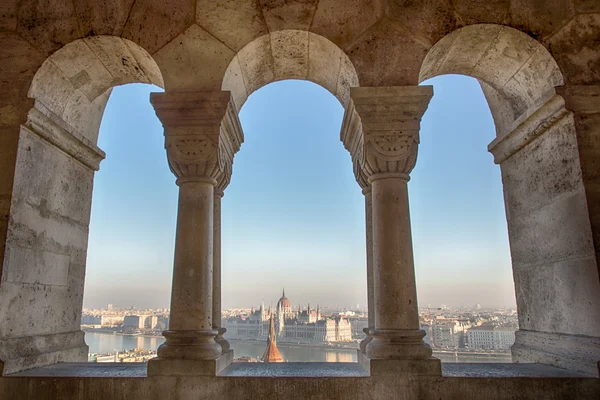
{"x":293,"y":215}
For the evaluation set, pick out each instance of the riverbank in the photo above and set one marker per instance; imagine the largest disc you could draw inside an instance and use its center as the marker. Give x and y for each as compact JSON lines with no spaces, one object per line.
{"x":105,"y":341}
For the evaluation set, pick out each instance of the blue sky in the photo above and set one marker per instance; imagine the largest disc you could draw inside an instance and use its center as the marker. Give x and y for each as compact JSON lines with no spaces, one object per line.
{"x":293,"y":214}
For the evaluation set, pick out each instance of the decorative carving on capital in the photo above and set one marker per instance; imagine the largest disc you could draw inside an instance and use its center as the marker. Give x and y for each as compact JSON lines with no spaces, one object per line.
{"x":202,"y":133}
{"x":393,"y":152}
{"x":381,"y":129}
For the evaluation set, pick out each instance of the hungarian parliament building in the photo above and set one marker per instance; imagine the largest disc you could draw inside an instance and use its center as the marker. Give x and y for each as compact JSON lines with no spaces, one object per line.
{"x":301,"y":325}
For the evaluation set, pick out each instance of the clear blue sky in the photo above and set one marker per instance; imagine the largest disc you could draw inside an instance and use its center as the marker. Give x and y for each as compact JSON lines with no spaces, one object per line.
{"x":293,"y":214}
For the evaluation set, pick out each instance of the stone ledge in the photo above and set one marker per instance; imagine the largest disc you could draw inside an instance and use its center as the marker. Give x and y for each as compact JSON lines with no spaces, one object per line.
{"x":299,"y":369}
{"x":396,"y":387}
{"x":295,"y":369}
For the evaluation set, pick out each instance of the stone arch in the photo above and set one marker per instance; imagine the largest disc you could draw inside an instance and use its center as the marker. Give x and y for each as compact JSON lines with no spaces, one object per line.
{"x":517,"y":74}
{"x":546,"y":208}
{"x":73,"y":85}
{"x":48,"y":225}
{"x":290,"y":54}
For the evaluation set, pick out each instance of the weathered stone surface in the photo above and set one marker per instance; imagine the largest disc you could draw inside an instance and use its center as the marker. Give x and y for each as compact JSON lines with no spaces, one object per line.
{"x":217,"y":17}
{"x":102,"y":18}
{"x":152,"y":24}
{"x":8,"y":15}
{"x":343,"y":25}
{"x":288,"y":14}
{"x":470,"y":12}
{"x":552,"y":248}
{"x":383,"y":56}
{"x":47,"y":24}
{"x":256,"y":61}
{"x":426,"y":21}
{"x":499,"y":386}
{"x":575,"y":48}
{"x":45,"y":257}
{"x":290,"y":54}
{"x":576,"y":353}
{"x":583,"y":6}
{"x":195,"y":60}
{"x":540,"y":18}
{"x":19,"y":62}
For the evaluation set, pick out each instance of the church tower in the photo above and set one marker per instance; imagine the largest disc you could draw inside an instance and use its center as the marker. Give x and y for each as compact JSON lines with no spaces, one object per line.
{"x":272,"y":353}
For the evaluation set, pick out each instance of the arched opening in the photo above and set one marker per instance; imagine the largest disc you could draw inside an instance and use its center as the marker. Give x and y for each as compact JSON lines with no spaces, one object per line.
{"x":293,"y":218}
{"x":48,"y":230}
{"x":536,"y":148}
{"x":267,"y":160}
{"x":132,"y":233}
{"x":462,"y":255}
{"x":517,"y":74}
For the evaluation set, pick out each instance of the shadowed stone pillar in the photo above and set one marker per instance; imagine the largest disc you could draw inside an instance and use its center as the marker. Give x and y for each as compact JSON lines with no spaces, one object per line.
{"x":217,"y":323}
{"x":381,"y":131}
{"x":366,"y":190}
{"x":584,"y":102}
{"x":548,"y":173}
{"x":44,"y":234}
{"x":202,"y":134}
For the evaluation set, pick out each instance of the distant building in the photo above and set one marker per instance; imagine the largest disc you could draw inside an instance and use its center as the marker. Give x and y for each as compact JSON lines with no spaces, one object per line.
{"x":306,"y":325}
{"x":91,"y":319}
{"x":112,"y":320}
{"x":443,"y":334}
{"x":358,"y":324}
{"x":490,"y":338}
{"x":140,"y":321}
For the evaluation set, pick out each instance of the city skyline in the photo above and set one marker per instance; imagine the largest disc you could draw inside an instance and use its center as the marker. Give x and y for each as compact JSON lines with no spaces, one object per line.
{"x":296,"y":218}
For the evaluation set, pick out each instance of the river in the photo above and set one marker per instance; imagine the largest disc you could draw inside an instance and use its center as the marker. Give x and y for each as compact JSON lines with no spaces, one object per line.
{"x":107,"y":343}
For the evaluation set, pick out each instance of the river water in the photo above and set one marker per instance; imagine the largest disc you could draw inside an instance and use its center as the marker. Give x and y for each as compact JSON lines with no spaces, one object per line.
{"x":108,"y":343}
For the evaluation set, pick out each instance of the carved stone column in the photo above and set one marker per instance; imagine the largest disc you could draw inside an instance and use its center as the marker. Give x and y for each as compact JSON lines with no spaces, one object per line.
{"x":217,"y":323}
{"x":202,"y":134}
{"x":366,"y":190}
{"x":381,"y":131}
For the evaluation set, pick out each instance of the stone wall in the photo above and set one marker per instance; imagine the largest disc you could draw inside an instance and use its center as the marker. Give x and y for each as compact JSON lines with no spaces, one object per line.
{"x":383,"y":388}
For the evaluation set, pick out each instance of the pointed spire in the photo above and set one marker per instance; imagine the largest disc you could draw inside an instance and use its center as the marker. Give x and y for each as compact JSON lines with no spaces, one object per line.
{"x":271,"y":352}
{"x":283,"y":295}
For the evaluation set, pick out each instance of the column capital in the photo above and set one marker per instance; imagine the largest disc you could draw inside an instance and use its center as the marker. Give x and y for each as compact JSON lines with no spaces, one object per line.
{"x":202,"y":134}
{"x":381,"y":129}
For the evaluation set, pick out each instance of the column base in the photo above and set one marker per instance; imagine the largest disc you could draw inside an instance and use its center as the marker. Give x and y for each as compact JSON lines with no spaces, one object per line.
{"x":399,"y":352}
{"x":400,"y":344}
{"x":188,"y":367}
{"x":430,"y":366}
{"x":225,"y":346}
{"x":571,"y":352}
{"x":190,"y":345}
{"x":365,"y":341}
